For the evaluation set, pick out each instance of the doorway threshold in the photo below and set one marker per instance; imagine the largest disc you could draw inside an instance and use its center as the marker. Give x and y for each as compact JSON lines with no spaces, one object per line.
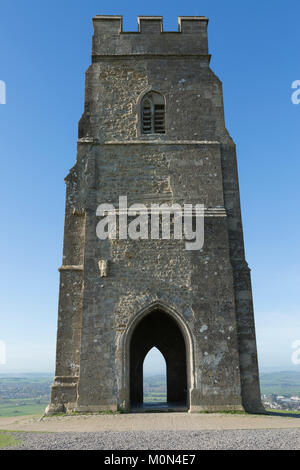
{"x":159,"y":408}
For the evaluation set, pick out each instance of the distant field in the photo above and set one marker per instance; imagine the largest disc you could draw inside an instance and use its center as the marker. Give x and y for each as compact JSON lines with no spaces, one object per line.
{"x":155,"y":389}
{"x":24,"y":395}
{"x":280,"y":383}
{"x":22,"y":408}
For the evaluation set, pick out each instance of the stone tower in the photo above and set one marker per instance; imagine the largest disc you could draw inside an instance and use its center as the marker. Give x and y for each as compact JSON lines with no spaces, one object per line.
{"x":153,"y":130}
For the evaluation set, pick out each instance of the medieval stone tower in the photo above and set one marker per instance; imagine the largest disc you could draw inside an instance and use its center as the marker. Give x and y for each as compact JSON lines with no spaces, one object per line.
{"x":153,"y":130}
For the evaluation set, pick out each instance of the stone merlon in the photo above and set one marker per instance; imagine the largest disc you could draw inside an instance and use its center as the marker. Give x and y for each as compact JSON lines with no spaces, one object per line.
{"x":150,"y":39}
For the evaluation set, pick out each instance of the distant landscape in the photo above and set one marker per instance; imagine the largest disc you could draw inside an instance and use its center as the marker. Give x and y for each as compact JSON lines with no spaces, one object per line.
{"x":155,"y":389}
{"x":280,"y":383}
{"x":25,"y":394}
{"x":28,"y":394}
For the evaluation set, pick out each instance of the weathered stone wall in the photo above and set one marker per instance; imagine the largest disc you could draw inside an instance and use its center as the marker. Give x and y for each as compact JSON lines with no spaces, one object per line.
{"x":206,"y":292}
{"x":193,"y":94}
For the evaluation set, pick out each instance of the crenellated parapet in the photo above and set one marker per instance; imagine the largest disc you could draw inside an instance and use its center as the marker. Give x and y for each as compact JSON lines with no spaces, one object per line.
{"x":150,"y":38}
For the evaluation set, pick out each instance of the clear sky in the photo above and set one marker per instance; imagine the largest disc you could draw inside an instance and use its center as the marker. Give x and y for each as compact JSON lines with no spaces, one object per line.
{"x":45,"y":49}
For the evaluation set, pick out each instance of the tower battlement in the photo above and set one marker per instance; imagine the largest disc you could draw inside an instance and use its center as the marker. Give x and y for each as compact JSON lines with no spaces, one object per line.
{"x":150,"y":38}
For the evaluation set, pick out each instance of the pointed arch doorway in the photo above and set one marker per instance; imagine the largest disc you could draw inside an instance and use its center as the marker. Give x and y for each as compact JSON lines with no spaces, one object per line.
{"x":158,"y":329}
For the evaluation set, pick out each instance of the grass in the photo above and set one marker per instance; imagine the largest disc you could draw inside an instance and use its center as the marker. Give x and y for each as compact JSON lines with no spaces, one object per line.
{"x":289,"y":412}
{"x":6,"y":440}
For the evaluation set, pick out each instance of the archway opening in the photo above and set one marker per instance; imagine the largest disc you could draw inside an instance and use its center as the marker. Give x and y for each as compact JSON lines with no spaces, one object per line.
{"x":154,"y":378}
{"x":159,"y":330}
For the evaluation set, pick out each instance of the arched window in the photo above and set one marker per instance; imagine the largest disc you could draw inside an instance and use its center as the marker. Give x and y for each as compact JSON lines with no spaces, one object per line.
{"x":153,"y":113}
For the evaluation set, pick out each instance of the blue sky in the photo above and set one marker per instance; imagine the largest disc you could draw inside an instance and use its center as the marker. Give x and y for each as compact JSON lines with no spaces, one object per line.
{"x":45,"y":50}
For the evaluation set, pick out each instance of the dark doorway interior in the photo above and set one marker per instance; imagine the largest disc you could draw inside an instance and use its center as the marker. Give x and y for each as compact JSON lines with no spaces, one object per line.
{"x":159,"y":330}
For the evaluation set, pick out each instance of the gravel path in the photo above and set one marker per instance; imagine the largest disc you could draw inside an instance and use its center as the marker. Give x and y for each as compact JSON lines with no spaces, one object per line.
{"x":273,"y":439}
